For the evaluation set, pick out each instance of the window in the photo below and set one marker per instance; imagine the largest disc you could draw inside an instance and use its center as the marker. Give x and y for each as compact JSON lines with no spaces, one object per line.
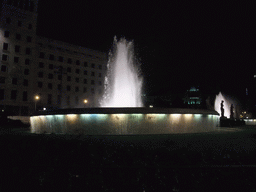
{"x":77,"y":62}
{"x":7,"y":34}
{"x":2,"y":80}
{"x":29,"y":39}
{"x":77,"y":80}
{"x":3,"y":68}
{"x":14,"y":81}
{"x":85,"y":81}
{"x":50,"y":66}
{"x":68,"y":100}
{"x":41,"y":65}
{"x":5,"y":46}
{"x":16,"y":59}
{"x":51,"y":57}
{"x":85,"y":90}
{"x":76,"y":100}
{"x":28,"y":51}
{"x":60,"y":59}
{"x":100,"y":83}
{"x":68,"y":78}
{"x":29,"y":26}
{"x":49,"y":85}
{"x":59,"y":99}
{"x":4,"y":57}
{"x":18,"y":36}
{"x":50,"y":76}
{"x":41,"y":55}
{"x":69,"y":69}
{"x":1,"y":94}
{"x":17,"y":48}
{"x":13,"y":94}
{"x":85,"y":72}
{"x":19,"y":23}
{"x":92,"y":74}
{"x":59,"y":77}
{"x":25,"y":82}
{"x":27,"y":61}
{"x":77,"y":71}
{"x":92,"y":82}
{"x":100,"y":66}
{"x":40,"y":84}
{"x":40,"y":74}
{"x":26,"y":71}
{"x":59,"y":86}
{"x":76,"y":89}
{"x":92,"y":90}
{"x":68,"y":88}
{"x":85,"y":64}
{"x":25,"y":96}
{"x":31,"y":7}
{"x":69,"y":60}
{"x":8,"y":20}
{"x":99,"y":74}
{"x":93,"y":65}
{"x":49,"y":100}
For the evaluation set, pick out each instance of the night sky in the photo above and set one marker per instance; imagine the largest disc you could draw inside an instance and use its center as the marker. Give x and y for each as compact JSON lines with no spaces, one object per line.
{"x":179,"y":44}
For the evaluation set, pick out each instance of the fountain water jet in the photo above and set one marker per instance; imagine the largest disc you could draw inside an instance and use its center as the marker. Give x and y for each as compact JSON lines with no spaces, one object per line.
{"x":121,"y":111}
{"x":122,"y":82}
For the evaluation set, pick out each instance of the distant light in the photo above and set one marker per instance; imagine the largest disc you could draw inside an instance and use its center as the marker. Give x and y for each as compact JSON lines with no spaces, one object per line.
{"x":85,"y":101}
{"x":44,"y":109}
{"x":2,"y":110}
{"x":37,"y":97}
{"x":254,"y":76}
{"x":151,"y":106}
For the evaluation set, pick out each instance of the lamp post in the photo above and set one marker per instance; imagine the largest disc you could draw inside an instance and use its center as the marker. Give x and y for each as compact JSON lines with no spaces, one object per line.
{"x":85,"y":102}
{"x":36,"y":99}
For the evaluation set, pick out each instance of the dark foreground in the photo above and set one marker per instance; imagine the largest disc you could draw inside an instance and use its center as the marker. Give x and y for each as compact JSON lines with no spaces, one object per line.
{"x":219,"y":161}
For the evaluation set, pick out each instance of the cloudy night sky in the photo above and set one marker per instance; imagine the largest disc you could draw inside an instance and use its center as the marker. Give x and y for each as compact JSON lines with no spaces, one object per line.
{"x":179,"y":44}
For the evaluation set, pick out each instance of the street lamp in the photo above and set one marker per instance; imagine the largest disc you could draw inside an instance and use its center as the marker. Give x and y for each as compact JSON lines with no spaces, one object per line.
{"x":85,"y":102}
{"x":36,"y":99}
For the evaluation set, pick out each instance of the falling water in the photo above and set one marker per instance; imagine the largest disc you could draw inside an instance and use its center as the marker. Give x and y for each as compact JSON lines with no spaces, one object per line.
{"x":122,"y":82}
{"x":227,"y":104}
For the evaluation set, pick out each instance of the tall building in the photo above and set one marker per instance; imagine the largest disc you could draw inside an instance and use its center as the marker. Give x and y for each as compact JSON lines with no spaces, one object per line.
{"x":61,"y":74}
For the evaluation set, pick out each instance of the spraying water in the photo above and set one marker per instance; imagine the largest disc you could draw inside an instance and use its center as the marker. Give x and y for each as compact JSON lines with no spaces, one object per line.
{"x":227,"y":104}
{"x":122,"y":82}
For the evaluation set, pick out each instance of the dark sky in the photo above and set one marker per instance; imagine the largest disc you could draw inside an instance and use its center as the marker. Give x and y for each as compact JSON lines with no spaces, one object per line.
{"x":178,"y":43}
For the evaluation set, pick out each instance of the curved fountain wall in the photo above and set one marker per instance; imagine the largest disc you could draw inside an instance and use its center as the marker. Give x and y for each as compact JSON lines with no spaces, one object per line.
{"x":125,"y":121}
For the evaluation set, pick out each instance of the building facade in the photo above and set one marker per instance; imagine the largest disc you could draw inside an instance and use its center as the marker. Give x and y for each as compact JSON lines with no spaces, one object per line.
{"x":60,"y":74}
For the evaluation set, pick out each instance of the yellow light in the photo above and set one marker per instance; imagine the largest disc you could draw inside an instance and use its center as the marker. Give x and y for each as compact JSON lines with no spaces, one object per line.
{"x":37,"y":97}
{"x":85,"y":101}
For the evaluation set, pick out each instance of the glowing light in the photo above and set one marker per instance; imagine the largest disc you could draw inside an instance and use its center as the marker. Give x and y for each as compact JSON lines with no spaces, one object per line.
{"x":37,"y":97}
{"x":44,"y":109}
{"x":49,"y":116}
{"x":85,"y":101}
{"x":59,"y":116}
{"x":123,"y":85}
{"x":176,"y":115}
{"x":198,"y":116}
{"x":151,"y":106}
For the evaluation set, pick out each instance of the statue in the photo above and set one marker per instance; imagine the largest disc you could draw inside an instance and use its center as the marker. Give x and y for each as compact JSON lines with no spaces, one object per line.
{"x":222,"y":108}
{"x":232,"y":111}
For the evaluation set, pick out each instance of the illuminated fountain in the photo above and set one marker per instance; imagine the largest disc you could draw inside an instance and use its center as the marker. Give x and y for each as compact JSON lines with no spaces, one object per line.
{"x":122,"y":82}
{"x":227,"y":104}
{"x":121,"y":111}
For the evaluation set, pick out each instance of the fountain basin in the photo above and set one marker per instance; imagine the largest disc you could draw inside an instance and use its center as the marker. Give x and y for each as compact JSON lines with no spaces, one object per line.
{"x":124,"y":121}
